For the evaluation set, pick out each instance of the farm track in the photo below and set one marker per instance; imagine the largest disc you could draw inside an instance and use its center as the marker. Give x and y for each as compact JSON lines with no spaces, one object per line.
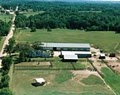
{"x":10,"y":35}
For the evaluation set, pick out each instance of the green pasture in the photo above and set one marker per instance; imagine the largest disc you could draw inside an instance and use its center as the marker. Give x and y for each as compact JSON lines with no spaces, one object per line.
{"x":58,"y":83}
{"x":112,"y":79}
{"x":106,"y":40}
{"x":5,"y":17}
{"x":56,"y":64}
{"x":92,"y":80}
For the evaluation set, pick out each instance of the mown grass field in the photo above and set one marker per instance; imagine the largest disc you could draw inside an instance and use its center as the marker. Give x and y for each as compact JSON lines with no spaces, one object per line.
{"x":5,"y":17}
{"x":106,"y":40}
{"x":59,"y":83}
{"x":112,"y":79}
{"x":92,"y":80}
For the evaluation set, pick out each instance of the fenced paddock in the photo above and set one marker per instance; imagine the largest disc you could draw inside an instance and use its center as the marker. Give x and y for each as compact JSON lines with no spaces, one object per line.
{"x":58,"y":83}
{"x":59,"y":76}
{"x":54,"y":64}
{"x":33,"y":65}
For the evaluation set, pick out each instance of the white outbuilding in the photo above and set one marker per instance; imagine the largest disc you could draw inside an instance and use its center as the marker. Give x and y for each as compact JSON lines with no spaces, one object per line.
{"x":40,"y":81}
{"x":102,"y":56}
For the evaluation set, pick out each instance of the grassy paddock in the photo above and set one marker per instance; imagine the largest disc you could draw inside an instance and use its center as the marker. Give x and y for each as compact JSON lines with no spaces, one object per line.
{"x":112,"y":79}
{"x":102,"y":39}
{"x":21,"y":84}
{"x":55,"y":64}
{"x":63,"y":76}
{"x":92,"y":80}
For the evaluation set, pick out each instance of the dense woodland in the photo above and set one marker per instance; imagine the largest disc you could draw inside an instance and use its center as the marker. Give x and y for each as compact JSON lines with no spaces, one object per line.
{"x":4,"y":28}
{"x":88,"y":16}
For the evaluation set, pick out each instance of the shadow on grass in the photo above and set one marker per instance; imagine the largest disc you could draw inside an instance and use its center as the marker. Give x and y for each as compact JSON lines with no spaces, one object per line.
{"x":36,"y":84}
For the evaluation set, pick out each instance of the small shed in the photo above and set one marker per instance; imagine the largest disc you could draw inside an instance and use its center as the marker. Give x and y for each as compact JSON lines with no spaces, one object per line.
{"x":40,"y":81}
{"x":102,"y":56}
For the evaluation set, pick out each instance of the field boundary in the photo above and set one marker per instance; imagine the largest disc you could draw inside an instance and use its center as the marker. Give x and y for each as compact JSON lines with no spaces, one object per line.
{"x":43,"y":68}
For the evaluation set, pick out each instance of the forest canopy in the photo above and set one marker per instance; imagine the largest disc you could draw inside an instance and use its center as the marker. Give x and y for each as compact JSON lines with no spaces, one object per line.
{"x":88,"y":16}
{"x":4,"y":28}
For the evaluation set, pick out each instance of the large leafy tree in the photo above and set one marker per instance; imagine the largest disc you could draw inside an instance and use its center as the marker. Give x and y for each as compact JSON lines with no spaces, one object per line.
{"x":24,"y":49}
{"x":10,"y":47}
{"x":5,"y":81}
{"x":6,"y":63}
{"x":4,"y":28}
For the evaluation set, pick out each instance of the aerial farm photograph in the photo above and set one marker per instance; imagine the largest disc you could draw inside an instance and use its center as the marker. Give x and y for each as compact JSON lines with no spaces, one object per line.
{"x":59,"y":47}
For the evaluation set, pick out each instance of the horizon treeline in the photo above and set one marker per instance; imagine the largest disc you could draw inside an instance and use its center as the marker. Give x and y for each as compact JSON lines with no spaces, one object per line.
{"x":87,"y":16}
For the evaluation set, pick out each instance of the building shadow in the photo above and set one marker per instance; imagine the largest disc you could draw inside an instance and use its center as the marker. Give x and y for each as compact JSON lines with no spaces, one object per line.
{"x":37,"y":84}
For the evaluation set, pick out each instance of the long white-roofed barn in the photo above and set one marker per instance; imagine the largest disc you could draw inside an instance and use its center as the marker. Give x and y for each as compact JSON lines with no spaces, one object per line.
{"x":66,"y":46}
{"x":69,"y":50}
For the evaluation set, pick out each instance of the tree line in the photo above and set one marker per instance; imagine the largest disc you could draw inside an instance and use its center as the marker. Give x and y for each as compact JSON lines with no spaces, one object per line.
{"x":90,"y":17}
{"x":6,"y":64}
{"x":4,"y":28}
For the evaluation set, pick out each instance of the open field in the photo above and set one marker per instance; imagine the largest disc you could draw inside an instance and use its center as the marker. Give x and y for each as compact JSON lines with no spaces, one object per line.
{"x":104,"y":40}
{"x":5,"y":17}
{"x":58,"y":83}
{"x":53,"y":64}
{"x":33,"y":13}
{"x":112,"y":79}
{"x":92,"y":79}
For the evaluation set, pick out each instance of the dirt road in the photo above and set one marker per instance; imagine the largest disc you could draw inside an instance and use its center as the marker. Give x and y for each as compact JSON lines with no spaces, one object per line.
{"x":10,"y":35}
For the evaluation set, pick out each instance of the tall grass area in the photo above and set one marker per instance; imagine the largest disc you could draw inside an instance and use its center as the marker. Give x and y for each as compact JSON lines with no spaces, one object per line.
{"x":112,"y":79}
{"x":105,"y":40}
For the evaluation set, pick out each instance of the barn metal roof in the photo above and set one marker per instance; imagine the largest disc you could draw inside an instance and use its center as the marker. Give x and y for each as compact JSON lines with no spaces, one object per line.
{"x":74,"y":52}
{"x":70,"y":57}
{"x":39,"y":80}
{"x":63,"y":45}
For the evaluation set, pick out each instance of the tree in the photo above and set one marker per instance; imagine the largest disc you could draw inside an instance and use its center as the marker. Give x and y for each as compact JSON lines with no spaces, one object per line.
{"x":10,"y":47}
{"x":17,"y":13}
{"x":117,"y":28}
{"x":6,"y":63}
{"x":36,"y":45}
{"x":4,"y":28}
{"x":5,"y":81}
{"x":24,"y":49}
{"x":6,"y":91}
{"x":33,"y":29}
{"x":49,"y":29}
